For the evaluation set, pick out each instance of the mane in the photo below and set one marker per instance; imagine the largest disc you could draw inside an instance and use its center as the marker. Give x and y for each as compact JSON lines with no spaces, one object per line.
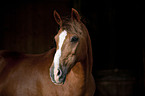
{"x":72,"y":26}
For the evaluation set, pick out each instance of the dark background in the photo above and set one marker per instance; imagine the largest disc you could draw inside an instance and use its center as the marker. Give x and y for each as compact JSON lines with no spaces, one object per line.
{"x":115,"y":27}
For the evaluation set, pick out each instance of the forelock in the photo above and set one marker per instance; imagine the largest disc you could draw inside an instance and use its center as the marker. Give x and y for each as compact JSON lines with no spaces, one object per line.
{"x":72,"y":26}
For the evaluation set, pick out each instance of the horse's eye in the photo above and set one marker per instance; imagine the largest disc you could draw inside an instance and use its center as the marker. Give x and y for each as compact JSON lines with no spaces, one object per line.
{"x":74,"y":39}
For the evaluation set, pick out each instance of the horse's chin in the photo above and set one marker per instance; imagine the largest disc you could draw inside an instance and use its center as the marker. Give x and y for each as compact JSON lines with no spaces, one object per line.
{"x":59,"y":83}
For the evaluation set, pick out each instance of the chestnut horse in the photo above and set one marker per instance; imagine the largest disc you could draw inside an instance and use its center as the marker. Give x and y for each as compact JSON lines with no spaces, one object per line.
{"x":62,"y":71}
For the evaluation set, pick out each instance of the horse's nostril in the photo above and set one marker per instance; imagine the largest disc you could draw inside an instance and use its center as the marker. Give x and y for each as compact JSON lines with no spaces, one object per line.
{"x":59,"y":73}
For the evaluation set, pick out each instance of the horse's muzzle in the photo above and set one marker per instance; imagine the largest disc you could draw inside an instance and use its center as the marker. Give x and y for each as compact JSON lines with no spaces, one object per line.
{"x":58,"y":76}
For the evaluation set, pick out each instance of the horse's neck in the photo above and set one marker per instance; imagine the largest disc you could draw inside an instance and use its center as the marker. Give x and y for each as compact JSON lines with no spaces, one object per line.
{"x":90,"y":56}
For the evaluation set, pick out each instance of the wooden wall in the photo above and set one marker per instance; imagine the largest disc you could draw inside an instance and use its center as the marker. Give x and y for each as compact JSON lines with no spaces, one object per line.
{"x":29,"y":26}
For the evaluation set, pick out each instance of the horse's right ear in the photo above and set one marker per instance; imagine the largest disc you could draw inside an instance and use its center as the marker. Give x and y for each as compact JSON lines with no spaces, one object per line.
{"x":57,"y":18}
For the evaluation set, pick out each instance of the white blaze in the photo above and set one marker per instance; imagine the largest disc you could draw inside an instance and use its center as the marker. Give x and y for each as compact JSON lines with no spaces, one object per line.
{"x":57,"y":55}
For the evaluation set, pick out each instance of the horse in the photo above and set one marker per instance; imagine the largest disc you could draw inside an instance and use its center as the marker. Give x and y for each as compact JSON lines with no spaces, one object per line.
{"x":62,"y":71}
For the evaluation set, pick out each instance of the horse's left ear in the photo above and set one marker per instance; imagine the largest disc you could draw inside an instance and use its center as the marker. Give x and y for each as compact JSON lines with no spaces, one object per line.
{"x":75,"y":15}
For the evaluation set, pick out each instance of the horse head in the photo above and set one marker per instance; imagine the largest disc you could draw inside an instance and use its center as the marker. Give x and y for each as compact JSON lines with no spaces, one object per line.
{"x":71,"y":46}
